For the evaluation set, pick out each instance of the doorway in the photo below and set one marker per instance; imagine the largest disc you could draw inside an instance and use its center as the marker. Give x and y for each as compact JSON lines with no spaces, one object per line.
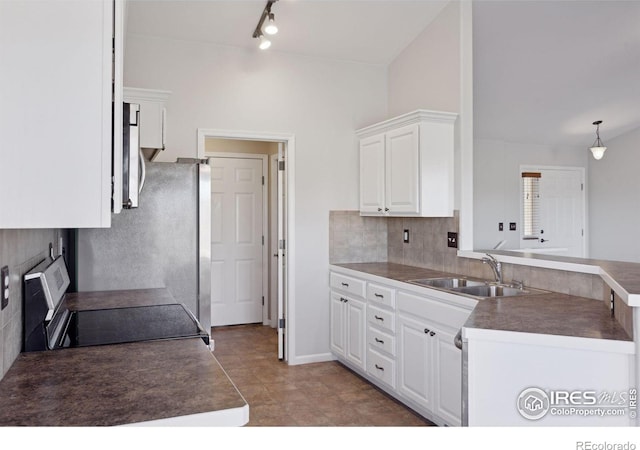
{"x":251,"y":249}
{"x":553,"y":210}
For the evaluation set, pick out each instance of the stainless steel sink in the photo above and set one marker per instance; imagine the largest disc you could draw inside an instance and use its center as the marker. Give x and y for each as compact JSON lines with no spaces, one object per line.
{"x":475,"y":288}
{"x":448,"y":282}
{"x":499,"y":290}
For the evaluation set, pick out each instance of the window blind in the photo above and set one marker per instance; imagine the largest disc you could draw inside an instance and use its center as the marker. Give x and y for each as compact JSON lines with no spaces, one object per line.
{"x":531,"y":204}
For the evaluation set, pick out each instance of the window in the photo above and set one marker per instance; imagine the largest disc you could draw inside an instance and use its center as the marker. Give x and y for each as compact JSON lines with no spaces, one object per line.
{"x":531,"y":204}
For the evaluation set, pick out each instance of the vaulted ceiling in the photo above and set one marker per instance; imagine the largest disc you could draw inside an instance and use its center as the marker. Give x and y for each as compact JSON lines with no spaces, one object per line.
{"x":354,"y":30}
{"x":543,"y":70}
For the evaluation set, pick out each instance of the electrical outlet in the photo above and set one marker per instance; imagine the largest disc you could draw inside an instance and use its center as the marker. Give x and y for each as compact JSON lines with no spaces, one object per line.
{"x":4,"y":286}
{"x":452,"y":240}
{"x":500,"y":226}
{"x":405,"y":236}
{"x":512,"y":226}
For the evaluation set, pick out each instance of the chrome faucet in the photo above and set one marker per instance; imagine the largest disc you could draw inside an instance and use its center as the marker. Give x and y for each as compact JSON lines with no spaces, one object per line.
{"x":495,"y":265}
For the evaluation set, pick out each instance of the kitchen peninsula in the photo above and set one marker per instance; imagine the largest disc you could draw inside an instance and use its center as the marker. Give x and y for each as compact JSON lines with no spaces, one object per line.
{"x":532,"y":338}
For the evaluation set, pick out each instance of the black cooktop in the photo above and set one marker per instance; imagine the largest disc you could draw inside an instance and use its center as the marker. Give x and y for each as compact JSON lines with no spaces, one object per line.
{"x":130,"y":324}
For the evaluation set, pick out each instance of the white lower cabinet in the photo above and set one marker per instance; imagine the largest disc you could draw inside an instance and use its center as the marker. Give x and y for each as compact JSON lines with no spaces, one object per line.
{"x":402,"y":341}
{"x":348,"y":328}
{"x":430,"y":368}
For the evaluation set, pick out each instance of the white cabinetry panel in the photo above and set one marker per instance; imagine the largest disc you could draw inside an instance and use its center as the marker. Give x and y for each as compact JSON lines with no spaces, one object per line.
{"x":56,"y":113}
{"x":402,"y":159}
{"x":372,"y":175}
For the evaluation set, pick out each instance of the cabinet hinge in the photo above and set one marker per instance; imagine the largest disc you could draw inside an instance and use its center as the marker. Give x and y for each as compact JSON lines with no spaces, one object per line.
{"x":582,"y":186}
{"x":281,"y":244}
{"x":263,"y":300}
{"x":280,"y":165}
{"x":280,"y":324}
{"x":263,"y":180}
{"x":263,"y":239}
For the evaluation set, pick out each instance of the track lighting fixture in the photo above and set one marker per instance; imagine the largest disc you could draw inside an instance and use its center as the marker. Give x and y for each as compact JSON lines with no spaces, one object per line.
{"x":598,"y":148}
{"x":267,"y":18}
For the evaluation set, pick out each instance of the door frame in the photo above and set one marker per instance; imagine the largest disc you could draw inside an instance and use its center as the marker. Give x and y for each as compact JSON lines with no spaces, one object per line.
{"x":582,"y":171}
{"x":289,"y":256}
{"x":265,"y":219}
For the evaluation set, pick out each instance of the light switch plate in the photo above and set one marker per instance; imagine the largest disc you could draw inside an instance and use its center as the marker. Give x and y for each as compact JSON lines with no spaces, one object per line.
{"x":4,"y":286}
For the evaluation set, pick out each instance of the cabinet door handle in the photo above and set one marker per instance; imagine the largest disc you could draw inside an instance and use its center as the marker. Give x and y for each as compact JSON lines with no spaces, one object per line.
{"x":379,"y":318}
{"x":345,"y":284}
{"x":426,"y":330}
{"x":378,"y":295}
{"x":386,"y":209}
{"x":433,"y":333}
{"x":379,"y":368}
{"x":342,"y":299}
{"x":379,"y":341}
{"x":379,"y":209}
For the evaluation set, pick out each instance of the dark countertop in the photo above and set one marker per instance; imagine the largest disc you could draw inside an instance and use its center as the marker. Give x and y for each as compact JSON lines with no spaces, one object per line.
{"x":398,"y":272}
{"x":116,"y":384}
{"x":552,"y":313}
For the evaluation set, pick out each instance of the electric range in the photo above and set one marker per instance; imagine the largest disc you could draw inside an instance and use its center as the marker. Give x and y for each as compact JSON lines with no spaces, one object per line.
{"x":49,"y":325}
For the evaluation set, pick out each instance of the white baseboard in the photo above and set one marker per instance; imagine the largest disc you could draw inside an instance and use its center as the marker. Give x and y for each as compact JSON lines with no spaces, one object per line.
{"x":308,"y":359}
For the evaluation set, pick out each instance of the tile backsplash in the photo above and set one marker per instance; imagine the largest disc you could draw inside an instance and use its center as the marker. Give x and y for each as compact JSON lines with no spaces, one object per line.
{"x":355,"y":239}
{"x":20,"y":250}
{"x":427,"y":246}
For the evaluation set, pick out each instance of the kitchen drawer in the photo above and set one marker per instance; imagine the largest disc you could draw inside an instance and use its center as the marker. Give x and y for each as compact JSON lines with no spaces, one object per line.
{"x":348,"y":284}
{"x":381,"y":341}
{"x":432,"y":310}
{"x":381,"y":367}
{"x":382,"y":295}
{"x":381,"y":318}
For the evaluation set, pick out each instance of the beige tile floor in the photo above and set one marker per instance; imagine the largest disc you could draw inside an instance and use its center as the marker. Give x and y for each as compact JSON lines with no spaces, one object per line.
{"x":319,"y":394}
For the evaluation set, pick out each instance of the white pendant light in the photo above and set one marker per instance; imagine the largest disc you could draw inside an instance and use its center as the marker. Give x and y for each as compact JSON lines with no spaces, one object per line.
{"x":264,"y":43}
{"x":598,"y":148}
{"x":271,"y":27}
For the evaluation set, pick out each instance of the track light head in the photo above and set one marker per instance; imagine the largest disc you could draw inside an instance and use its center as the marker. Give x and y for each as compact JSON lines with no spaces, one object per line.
{"x":270,"y":26}
{"x":264,"y":42}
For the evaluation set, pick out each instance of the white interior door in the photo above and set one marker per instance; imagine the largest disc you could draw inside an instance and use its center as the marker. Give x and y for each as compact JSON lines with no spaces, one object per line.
{"x":236,"y":240}
{"x":562,"y":212}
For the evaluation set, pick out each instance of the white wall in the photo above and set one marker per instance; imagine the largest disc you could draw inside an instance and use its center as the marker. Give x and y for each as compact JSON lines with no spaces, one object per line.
{"x":426,"y":74}
{"x":496,"y":177}
{"x":322,"y":102}
{"x":614,"y":200}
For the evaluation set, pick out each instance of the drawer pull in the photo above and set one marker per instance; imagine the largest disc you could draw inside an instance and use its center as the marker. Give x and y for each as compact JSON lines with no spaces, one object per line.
{"x":426,"y":330}
{"x":379,"y":318}
{"x":379,"y":341}
{"x":379,"y":368}
{"x":345,"y":284}
{"x":379,"y":295}
{"x":342,"y":299}
{"x":433,"y":333}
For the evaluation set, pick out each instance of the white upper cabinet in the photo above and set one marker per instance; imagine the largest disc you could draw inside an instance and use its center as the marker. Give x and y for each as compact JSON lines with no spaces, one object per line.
{"x":406,"y":165}
{"x":153,"y":115}
{"x":372,"y":174}
{"x":56,"y":89}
